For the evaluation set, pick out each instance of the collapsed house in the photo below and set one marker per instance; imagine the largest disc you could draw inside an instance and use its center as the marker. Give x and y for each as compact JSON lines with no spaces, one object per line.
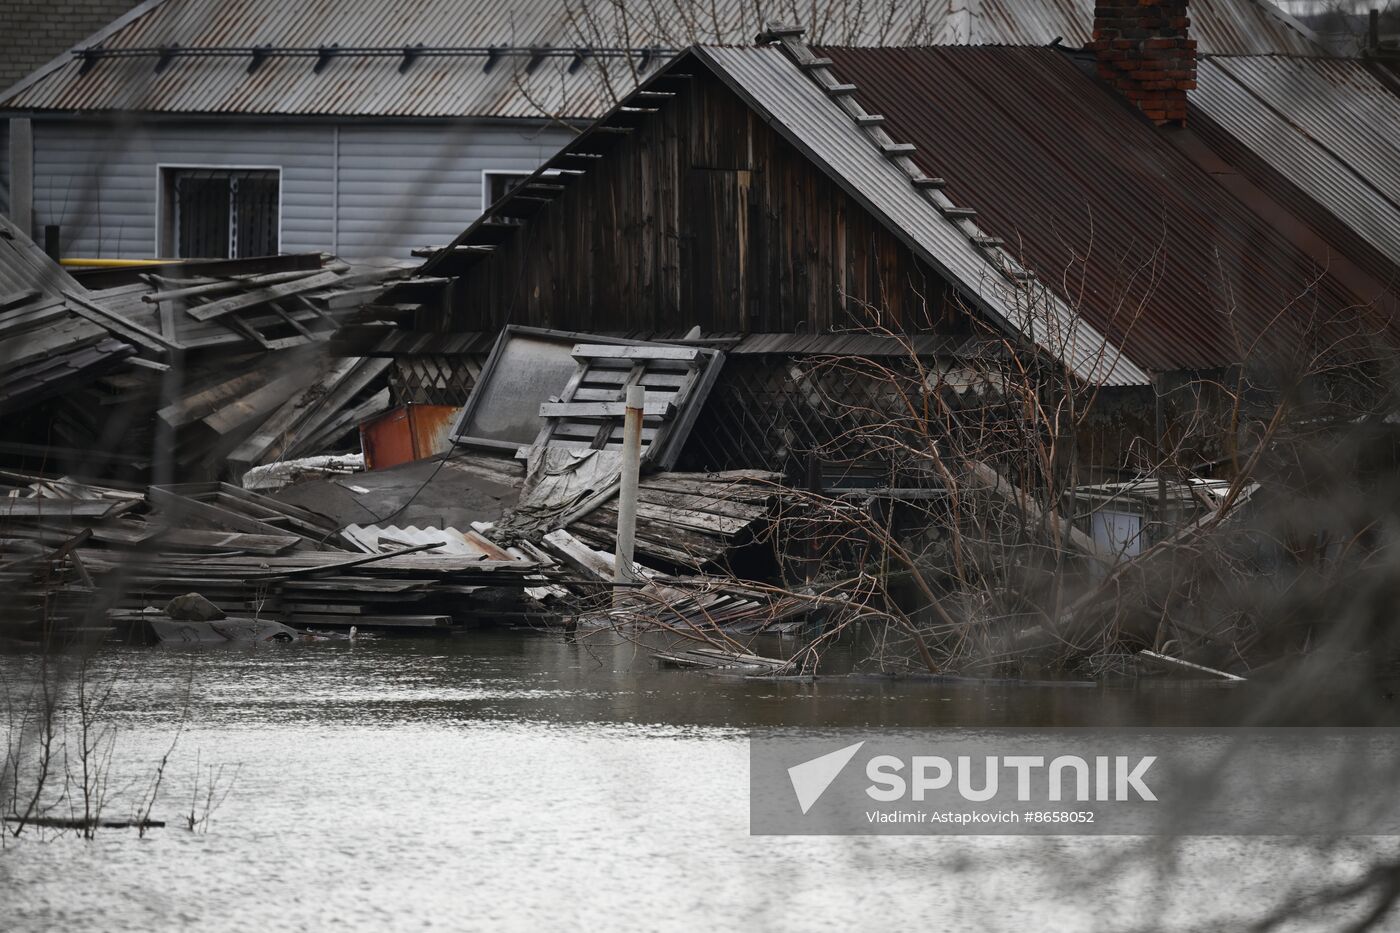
{"x":917,"y":346}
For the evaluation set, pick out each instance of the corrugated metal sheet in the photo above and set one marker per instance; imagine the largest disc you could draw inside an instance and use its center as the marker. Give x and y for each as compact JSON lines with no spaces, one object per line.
{"x":385,"y":539}
{"x":804,"y":114}
{"x":1150,"y":247}
{"x":1248,"y":27}
{"x":1330,"y":127}
{"x":1222,"y":27}
{"x":357,"y":84}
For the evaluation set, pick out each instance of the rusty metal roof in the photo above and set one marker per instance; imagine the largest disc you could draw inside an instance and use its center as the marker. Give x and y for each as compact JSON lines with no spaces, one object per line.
{"x":207,"y":63}
{"x":1151,"y":248}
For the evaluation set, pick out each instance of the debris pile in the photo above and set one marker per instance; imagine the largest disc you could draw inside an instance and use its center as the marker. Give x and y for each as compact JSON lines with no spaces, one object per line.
{"x":225,"y":365}
{"x":69,"y":551}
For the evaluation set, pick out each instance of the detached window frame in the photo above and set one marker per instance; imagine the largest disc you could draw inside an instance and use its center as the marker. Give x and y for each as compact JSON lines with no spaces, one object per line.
{"x":219,"y":211}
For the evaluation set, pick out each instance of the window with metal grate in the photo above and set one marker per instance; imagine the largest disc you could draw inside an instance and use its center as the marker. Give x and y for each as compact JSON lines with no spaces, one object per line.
{"x":220,"y":213}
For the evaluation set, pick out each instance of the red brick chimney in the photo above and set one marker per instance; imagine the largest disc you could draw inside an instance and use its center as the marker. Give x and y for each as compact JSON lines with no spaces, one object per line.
{"x":1144,"y":49}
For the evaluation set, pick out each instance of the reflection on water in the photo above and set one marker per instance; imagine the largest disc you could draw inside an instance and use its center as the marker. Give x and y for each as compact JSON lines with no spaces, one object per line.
{"x":514,"y":781}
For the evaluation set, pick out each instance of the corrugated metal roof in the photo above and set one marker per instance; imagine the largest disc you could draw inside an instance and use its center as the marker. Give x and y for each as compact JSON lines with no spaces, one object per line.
{"x":1330,"y":127}
{"x":1150,"y":247}
{"x":360,"y":84}
{"x":808,"y":117}
{"x":1221,"y":27}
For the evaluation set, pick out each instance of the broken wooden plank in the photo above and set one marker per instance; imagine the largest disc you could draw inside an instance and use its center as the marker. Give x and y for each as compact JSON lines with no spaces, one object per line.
{"x":316,"y":405}
{"x":377,"y":621}
{"x":121,"y":326}
{"x":241,"y":283}
{"x":258,"y":296}
{"x":579,"y":555}
{"x":1178,"y":666}
{"x":207,"y":401}
{"x":179,"y":507}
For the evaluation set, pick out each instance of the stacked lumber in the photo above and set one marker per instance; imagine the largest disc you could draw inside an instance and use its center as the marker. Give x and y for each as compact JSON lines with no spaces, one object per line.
{"x":319,"y":589}
{"x":680,"y":605}
{"x":687,"y":520}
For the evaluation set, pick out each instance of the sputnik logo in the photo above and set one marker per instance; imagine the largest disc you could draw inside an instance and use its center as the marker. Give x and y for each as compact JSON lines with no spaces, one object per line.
{"x":811,"y":778}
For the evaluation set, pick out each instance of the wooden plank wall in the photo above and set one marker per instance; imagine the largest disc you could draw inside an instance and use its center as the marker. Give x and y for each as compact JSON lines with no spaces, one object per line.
{"x":703,"y":215}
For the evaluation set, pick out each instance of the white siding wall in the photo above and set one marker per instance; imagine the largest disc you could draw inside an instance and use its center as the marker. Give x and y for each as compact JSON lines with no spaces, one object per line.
{"x":400,"y":185}
{"x":408,"y":186}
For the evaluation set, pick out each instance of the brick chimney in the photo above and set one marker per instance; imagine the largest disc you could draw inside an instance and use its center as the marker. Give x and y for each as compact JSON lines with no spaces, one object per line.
{"x":1144,"y":49}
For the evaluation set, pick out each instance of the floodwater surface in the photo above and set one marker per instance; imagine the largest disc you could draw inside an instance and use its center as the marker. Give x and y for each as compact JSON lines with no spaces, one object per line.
{"x":515,"y":781}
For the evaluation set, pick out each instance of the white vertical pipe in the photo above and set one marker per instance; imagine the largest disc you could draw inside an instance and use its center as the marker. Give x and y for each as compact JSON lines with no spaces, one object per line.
{"x":625,"y":571}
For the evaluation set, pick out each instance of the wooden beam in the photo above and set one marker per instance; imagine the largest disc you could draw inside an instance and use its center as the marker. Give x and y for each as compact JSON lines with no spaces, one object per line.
{"x":598,"y":351}
{"x":114,"y":322}
{"x":654,"y":409}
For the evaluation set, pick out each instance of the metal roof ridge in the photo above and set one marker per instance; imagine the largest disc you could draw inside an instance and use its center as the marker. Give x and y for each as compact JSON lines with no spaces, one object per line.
{"x":820,"y":70}
{"x":962,"y":218}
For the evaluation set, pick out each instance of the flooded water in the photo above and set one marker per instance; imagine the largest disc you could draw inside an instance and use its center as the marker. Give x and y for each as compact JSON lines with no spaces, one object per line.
{"x":523,"y":782}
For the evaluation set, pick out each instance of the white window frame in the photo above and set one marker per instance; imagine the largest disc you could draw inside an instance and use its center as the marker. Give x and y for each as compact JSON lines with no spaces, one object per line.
{"x":161,"y":207}
{"x":488,"y":173}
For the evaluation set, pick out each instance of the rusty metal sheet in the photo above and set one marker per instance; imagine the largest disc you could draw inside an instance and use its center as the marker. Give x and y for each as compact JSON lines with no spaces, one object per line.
{"x":407,"y":433}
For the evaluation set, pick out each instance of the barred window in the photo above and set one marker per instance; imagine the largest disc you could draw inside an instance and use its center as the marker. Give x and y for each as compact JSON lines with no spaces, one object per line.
{"x":220,"y":213}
